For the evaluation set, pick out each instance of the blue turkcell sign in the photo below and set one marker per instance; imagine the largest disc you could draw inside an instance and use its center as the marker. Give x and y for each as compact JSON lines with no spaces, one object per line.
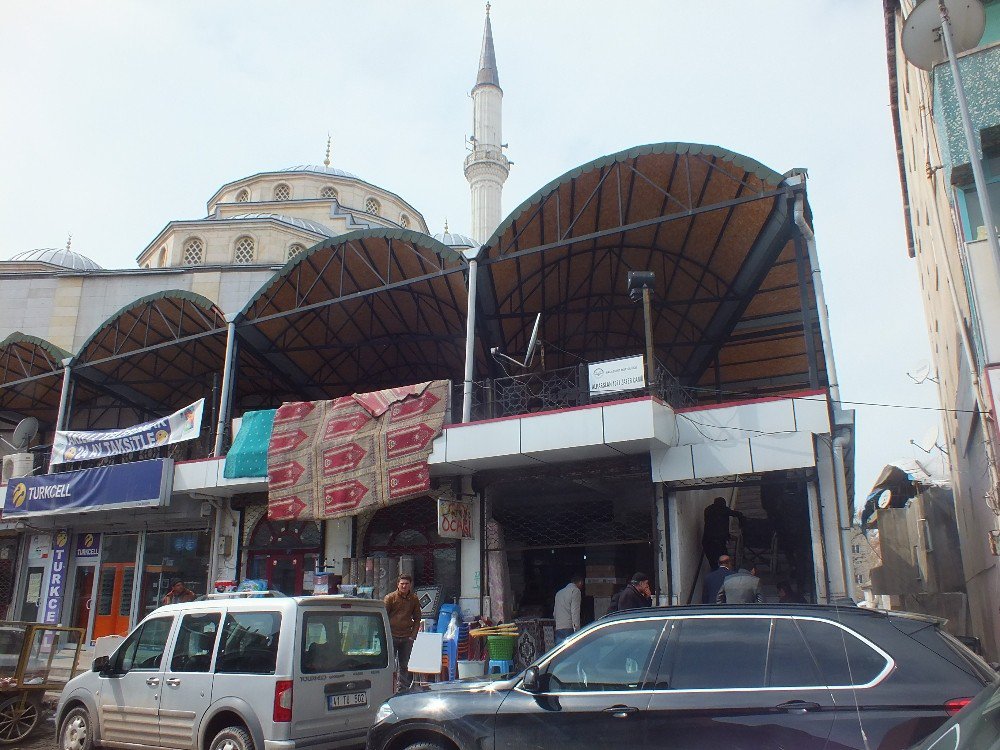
{"x":132,"y":485}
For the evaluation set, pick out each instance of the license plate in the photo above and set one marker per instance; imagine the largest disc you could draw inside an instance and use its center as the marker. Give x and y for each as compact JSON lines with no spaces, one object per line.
{"x":346,"y":700}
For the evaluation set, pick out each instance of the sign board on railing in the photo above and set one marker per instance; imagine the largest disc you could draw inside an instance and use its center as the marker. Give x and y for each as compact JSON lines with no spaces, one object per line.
{"x":614,"y":375}
{"x":454,"y":519}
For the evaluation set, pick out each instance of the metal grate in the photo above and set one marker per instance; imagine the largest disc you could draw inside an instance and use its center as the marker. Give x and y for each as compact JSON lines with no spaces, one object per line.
{"x":372,"y":207}
{"x":243,"y":196}
{"x":404,"y":221}
{"x":282,"y":192}
{"x":244,"y":252}
{"x":590,"y":522}
{"x":295,"y":250}
{"x":328,"y":191}
{"x":194,"y":252}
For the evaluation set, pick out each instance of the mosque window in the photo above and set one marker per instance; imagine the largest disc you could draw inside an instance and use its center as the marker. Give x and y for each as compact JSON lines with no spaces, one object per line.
{"x":328,"y":191}
{"x":282,"y":192}
{"x":295,"y":250}
{"x":404,"y":221}
{"x":243,"y":196}
{"x":194,"y":252}
{"x":372,"y":207}
{"x":244,"y":250}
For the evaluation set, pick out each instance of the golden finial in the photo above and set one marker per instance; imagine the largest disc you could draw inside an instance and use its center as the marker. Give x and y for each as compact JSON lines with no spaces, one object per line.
{"x":446,"y":226}
{"x":326,"y":161}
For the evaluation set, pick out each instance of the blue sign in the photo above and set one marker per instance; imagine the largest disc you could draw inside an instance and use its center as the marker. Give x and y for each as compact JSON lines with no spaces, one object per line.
{"x":88,"y":545}
{"x":133,"y":485}
{"x":57,"y":578}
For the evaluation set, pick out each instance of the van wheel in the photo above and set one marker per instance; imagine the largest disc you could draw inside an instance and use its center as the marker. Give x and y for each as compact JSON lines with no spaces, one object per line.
{"x":232,"y":738}
{"x":76,"y":731}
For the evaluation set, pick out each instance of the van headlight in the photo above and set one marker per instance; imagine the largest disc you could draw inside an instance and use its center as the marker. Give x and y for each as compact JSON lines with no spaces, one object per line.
{"x":383,"y":713}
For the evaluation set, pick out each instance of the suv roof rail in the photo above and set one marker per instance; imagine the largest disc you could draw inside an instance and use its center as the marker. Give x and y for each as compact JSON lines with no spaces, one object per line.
{"x":245,"y":595}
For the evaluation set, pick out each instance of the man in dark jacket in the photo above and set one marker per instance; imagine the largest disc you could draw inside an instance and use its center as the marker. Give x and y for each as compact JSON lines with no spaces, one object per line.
{"x":716,"y":532}
{"x":637,"y":594}
{"x":713,"y":581}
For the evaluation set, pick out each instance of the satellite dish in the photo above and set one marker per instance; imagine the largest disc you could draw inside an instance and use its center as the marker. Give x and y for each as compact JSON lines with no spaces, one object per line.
{"x":930,"y":439}
{"x":921,"y":372}
{"x":532,"y":342}
{"x":26,"y":429}
{"x":885,"y":499}
{"x":923,"y":45}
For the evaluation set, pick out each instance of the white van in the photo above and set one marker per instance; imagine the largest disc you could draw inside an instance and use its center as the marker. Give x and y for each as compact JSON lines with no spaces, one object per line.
{"x":235,"y":673}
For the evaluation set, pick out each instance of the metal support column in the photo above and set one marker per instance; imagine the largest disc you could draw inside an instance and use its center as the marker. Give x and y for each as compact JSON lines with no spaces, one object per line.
{"x":470,"y":342}
{"x":648,"y":320}
{"x":227,"y":389}
{"x":61,"y":413}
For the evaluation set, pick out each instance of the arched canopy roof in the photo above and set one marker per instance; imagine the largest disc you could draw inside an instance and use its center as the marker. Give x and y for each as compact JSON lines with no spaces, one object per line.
{"x":30,"y":378}
{"x":714,"y":226}
{"x":154,"y":355}
{"x":361,"y":311}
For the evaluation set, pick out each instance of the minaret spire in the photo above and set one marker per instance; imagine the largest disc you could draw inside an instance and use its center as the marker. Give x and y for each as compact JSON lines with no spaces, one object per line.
{"x":486,"y":168}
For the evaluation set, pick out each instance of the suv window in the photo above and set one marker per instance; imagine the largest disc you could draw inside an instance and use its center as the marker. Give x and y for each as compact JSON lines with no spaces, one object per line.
{"x":789,"y":663}
{"x":338,"y":641}
{"x":143,"y":650}
{"x":614,"y":657}
{"x":716,"y":652}
{"x":249,"y":643}
{"x":844,"y":659}
{"x":195,"y":643}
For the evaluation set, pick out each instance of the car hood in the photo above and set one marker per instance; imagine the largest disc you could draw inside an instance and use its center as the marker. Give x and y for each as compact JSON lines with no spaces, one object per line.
{"x":468,"y":685}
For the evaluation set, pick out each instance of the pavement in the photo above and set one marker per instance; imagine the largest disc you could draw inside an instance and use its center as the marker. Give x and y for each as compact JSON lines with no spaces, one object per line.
{"x":43,"y":738}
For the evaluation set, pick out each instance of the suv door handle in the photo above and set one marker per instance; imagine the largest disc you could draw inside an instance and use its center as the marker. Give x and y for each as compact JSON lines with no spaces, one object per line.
{"x":153,"y":681}
{"x":173,"y":681}
{"x":797,"y":707}
{"x":621,"y":712}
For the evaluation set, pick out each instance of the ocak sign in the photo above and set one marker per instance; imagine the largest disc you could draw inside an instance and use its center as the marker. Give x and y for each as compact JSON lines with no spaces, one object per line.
{"x":454,"y":519}
{"x":134,"y":485}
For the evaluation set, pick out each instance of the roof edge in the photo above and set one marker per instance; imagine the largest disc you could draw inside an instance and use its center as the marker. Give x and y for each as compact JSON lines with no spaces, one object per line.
{"x":18,"y":337}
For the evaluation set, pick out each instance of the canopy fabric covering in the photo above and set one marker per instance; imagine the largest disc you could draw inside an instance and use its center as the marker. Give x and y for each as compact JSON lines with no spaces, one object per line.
{"x":362,"y":311}
{"x":30,"y":378}
{"x":733,"y":309}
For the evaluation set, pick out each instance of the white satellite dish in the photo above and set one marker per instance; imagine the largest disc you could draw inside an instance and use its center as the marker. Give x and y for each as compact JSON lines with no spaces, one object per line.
{"x":923,"y":45}
{"x":929,"y":440}
{"x":26,"y":429}
{"x":885,"y":499}
{"x":532,"y":345}
{"x":921,"y":373}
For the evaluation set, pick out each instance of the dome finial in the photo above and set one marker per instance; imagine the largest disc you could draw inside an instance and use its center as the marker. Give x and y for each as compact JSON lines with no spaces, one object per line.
{"x":69,"y":240}
{"x":487,"y":8}
{"x":446,"y":225}
{"x":326,"y":161}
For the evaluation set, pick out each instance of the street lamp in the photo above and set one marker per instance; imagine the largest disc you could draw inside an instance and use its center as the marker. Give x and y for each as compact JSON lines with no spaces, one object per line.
{"x":640,"y":286}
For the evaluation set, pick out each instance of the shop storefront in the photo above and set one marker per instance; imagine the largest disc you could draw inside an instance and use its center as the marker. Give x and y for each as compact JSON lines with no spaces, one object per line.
{"x":285,"y":554}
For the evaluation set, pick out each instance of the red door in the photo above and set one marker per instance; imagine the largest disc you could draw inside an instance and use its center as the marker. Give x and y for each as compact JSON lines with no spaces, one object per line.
{"x":114,"y":599}
{"x":82,"y":598}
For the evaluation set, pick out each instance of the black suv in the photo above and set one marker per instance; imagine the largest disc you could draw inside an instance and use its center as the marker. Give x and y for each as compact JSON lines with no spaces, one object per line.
{"x":733,"y":677}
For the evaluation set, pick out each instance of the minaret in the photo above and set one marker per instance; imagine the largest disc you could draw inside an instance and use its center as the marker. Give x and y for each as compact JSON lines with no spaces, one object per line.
{"x":486,"y":168}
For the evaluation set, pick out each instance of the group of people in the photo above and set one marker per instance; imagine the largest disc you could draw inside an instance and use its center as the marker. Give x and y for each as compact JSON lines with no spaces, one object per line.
{"x":566,"y":608}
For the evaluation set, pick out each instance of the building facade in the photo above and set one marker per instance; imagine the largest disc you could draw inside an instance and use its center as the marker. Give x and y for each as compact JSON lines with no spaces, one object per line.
{"x":946,"y":237}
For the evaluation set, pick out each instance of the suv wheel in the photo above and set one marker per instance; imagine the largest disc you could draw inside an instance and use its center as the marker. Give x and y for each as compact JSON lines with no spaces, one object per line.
{"x":232,"y":738}
{"x":424,"y":745}
{"x":75,"y":732}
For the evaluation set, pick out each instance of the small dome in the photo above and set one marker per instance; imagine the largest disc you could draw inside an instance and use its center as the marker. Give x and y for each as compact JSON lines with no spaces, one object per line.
{"x":320,"y":170}
{"x":451,"y":239}
{"x":58,"y":256}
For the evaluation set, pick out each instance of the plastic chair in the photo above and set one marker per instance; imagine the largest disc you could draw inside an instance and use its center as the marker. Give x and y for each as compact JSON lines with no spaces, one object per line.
{"x":500,"y":666}
{"x":450,"y":651}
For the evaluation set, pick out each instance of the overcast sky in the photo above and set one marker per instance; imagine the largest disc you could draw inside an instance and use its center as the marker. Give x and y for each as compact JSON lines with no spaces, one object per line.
{"x":121,"y":116}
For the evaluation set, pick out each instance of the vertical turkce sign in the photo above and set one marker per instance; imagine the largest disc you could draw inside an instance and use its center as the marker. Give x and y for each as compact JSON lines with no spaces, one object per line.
{"x":57,"y":578}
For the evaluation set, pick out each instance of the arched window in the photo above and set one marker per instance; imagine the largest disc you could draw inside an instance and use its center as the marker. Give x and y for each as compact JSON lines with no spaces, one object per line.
{"x":404,"y":221}
{"x":328,"y":191}
{"x":163,"y":257}
{"x":372,"y":207}
{"x":243,"y":196}
{"x":282,"y":192}
{"x":295,"y":250}
{"x":243,"y":251}
{"x":194,"y":252}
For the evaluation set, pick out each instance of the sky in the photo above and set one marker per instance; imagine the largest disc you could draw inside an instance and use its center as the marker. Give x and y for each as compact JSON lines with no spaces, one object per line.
{"x":122,"y":116}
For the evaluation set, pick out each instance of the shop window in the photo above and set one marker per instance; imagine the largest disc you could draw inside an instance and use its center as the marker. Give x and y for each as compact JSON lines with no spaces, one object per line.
{"x":172,"y":556}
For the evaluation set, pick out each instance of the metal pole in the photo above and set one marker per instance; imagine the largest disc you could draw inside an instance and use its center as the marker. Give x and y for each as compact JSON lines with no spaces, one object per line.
{"x":470,"y":342}
{"x":227,"y":378}
{"x":650,"y":361}
{"x":61,"y":413}
{"x":970,"y":139}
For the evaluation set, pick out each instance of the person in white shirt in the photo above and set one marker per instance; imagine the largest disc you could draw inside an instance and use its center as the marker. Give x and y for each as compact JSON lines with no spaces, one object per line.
{"x":567,"y":608}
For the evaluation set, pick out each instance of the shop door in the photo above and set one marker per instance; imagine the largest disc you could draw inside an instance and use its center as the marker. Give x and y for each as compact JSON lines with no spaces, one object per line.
{"x":284,"y":573}
{"x":114,"y":599}
{"x":83,"y":596}
{"x":32,"y":594}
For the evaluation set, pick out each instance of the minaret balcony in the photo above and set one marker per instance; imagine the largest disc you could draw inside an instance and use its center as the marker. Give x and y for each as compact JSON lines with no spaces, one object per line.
{"x":491,"y":155}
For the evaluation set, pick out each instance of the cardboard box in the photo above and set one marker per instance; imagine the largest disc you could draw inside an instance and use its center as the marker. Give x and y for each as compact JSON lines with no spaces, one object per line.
{"x":601,"y":571}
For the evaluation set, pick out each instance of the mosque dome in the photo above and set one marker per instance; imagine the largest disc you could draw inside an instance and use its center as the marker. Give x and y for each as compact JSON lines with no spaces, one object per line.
{"x":57,"y":256}
{"x":452,"y":239}
{"x":317,"y":169}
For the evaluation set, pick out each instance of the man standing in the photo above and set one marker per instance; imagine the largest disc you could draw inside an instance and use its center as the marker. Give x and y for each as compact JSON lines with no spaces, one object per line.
{"x":742,"y":587}
{"x":404,"y":621}
{"x":716,"y":533}
{"x":566,"y":610}
{"x":178,"y":593}
{"x":637,"y":594}
{"x":713,"y":581}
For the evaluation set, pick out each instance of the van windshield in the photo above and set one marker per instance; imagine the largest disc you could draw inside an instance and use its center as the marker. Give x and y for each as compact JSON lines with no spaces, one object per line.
{"x":342,"y":641}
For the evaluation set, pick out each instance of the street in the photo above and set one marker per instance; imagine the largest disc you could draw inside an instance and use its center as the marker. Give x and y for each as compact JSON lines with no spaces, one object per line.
{"x":43,"y":738}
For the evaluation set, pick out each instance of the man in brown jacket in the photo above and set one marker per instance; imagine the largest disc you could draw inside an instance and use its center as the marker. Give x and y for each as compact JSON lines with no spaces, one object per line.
{"x":404,"y":621}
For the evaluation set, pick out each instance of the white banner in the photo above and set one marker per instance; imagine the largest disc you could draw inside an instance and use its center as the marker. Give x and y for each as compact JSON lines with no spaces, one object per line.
{"x":82,"y":445}
{"x":625,"y":374}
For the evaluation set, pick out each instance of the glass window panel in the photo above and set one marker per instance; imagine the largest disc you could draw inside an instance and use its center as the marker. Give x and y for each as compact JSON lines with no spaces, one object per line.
{"x":105,"y":591}
{"x":612,"y":658}
{"x":195,"y":643}
{"x":125,"y":603}
{"x":336,"y":642}
{"x":717,"y":653}
{"x":789,"y":663}
{"x":143,"y":650}
{"x":843,"y":658}
{"x":170,"y":556}
{"x":249,"y":643}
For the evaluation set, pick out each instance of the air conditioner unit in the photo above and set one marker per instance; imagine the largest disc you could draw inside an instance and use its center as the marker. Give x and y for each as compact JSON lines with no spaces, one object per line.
{"x":18,"y":465}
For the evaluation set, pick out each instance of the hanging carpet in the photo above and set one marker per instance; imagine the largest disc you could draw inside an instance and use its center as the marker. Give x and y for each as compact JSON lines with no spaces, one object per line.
{"x":330,"y":459}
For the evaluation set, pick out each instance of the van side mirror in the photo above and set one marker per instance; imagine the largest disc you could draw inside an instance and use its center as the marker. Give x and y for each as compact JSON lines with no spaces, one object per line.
{"x":101,"y":663}
{"x":532,"y":681}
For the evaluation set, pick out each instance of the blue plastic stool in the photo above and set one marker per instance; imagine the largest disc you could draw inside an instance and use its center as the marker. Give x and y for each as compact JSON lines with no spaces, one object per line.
{"x":444,"y":616}
{"x":450,"y":649}
{"x":500,"y":666}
